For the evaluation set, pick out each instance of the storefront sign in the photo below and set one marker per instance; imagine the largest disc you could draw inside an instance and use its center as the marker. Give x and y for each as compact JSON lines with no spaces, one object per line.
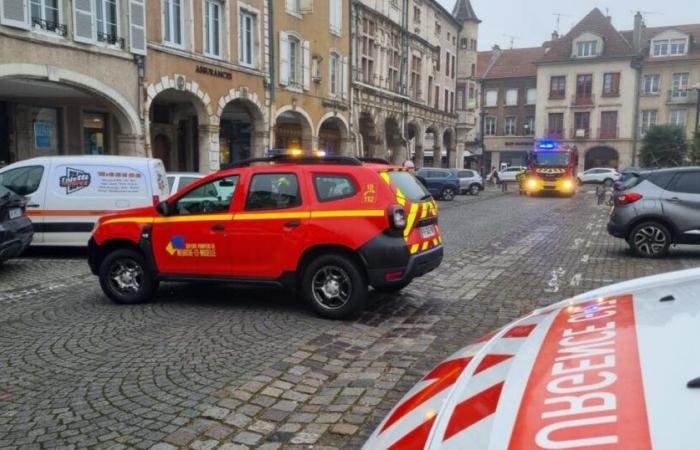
{"x":214,"y":72}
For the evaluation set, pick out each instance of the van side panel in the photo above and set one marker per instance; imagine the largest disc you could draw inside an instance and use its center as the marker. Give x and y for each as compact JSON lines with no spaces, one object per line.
{"x":78,"y":194}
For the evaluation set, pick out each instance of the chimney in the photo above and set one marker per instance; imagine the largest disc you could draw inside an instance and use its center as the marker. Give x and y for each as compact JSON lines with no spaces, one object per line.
{"x":637,"y":32}
{"x":555,"y":35}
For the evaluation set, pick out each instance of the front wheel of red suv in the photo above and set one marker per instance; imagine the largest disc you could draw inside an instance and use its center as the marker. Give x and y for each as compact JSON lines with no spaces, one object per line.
{"x":125,"y":278}
{"x":335,"y":287}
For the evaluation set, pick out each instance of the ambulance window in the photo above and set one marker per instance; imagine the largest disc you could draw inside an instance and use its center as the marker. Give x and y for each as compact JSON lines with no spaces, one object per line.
{"x":171,"y":183}
{"x":273,"y":191}
{"x":210,"y":198}
{"x":334,"y":187}
{"x":24,"y":180}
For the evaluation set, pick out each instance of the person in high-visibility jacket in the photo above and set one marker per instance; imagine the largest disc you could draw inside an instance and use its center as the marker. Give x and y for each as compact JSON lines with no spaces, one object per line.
{"x":521,"y":178}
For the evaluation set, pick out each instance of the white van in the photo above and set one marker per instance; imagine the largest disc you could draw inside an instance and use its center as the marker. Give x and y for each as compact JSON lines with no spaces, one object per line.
{"x":67,"y":194}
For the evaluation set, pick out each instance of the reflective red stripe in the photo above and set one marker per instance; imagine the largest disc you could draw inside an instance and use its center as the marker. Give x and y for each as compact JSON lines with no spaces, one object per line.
{"x":586,"y":388}
{"x":521,"y":331}
{"x":490,"y":361}
{"x":474,"y":410}
{"x":416,"y":439}
{"x":445,"y":375}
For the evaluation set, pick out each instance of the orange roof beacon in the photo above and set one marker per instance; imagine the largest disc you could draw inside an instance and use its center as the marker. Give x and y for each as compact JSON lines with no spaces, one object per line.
{"x":330,"y":227}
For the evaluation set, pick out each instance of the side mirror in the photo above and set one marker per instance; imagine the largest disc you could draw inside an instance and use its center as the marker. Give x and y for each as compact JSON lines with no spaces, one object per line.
{"x":163,"y":209}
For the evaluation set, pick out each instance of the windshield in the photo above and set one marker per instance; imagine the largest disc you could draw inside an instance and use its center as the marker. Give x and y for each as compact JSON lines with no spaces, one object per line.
{"x":552,"y":159}
{"x":410,"y":187}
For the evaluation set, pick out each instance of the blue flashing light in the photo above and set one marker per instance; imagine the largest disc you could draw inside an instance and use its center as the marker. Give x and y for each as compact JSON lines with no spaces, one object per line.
{"x":546,"y":145}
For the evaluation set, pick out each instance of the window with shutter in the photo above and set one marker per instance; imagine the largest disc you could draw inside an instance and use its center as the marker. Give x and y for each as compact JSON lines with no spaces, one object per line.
{"x":83,"y":21}
{"x":336,"y":16}
{"x":306,"y":65}
{"x":137,"y":27}
{"x":14,"y":13}
{"x":345,"y":80}
{"x":284,"y":58}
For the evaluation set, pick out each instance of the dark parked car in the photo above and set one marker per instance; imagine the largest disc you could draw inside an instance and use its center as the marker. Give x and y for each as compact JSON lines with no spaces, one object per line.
{"x":16,"y":230}
{"x":443,"y":184}
{"x":653,"y":210}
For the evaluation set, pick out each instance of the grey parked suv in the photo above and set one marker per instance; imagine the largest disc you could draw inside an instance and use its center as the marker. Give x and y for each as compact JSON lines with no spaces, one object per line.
{"x":654,"y":210}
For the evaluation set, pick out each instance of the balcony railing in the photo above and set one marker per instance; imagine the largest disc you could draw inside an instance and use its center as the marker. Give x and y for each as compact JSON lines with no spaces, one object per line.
{"x":582,"y":100}
{"x":682,"y":96}
{"x":110,"y":39}
{"x":608,"y":133}
{"x":47,"y":25}
{"x":580,"y":133}
{"x":554,"y":134}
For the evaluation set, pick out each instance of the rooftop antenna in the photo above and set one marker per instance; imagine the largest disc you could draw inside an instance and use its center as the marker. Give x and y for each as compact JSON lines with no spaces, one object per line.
{"x":512,"y":39}
{"x":559,"y":16}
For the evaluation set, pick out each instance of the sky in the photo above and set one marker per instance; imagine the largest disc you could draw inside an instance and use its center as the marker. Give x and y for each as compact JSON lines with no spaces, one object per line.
{"x":531,"y":22}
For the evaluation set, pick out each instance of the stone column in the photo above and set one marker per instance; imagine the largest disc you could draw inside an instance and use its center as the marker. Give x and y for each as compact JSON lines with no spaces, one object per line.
{"x":419,"y":156}
{"x":131,"y":145}
{"x":437,"y":155}
{"x":451,"y":157}
{"x":258,"y":144}
{"x":209,"y":159}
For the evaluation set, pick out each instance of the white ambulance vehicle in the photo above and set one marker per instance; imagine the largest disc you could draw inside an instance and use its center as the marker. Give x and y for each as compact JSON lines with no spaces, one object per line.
{"x":616,"y":368}
{"x":67,"y":194}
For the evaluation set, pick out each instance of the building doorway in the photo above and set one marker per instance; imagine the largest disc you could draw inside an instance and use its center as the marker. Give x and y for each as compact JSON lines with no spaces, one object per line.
{"x":602,"y":157}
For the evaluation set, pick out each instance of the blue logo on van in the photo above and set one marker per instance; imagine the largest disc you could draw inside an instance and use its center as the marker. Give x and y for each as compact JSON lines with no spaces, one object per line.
{"x":74,"y":180}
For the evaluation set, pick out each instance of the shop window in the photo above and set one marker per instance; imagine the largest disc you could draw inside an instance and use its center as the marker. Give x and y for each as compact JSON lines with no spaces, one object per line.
{"x":46,"y":130}
{"x":95,"y":134}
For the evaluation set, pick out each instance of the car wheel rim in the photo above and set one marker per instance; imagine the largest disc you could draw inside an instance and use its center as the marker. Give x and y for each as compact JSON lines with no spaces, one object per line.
{"x":448,"y":195}
{"x":475,"y":190}
{"x":650,"y":241}
{"x":126,"y":276}
{"x":332,"y":287}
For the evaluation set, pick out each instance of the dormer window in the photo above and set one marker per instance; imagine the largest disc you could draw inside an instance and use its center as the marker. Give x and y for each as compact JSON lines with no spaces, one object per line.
{"x":586,"y":49}
{"x":669,"y":47}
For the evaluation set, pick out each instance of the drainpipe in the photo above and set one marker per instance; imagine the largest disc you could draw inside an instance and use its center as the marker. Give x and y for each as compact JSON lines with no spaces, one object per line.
{"x":141,"y":89}
{"x":354,"y":118}
{"x":637,"y":65}
{"x":271,"y":68}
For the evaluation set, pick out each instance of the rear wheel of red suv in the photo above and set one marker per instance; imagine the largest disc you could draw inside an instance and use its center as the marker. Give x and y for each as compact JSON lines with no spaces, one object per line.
{"x":335,"y":287}
{"x":650,"y":240}
{"x":125,"y":278}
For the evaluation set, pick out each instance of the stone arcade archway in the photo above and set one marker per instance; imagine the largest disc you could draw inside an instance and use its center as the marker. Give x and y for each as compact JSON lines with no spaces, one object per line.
{"x":602,"y":157}
{"x":69,"y":94}
{"x":334,"y":135}
{"x":448,"y":143}
{"x":394,"y":141}
{"x":242,"y":131}
{"x":293,"y":129}
{"x":415,"y":136}
{"x":432,"y":141}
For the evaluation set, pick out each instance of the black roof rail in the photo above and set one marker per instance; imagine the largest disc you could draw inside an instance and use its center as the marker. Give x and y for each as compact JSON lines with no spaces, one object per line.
{"x":376,"y":161}
{"x":291,"y":159}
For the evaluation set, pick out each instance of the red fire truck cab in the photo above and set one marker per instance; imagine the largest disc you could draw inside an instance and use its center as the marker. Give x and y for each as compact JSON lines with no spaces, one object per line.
{"x":327,"y":227}
{"x":552,"y":167}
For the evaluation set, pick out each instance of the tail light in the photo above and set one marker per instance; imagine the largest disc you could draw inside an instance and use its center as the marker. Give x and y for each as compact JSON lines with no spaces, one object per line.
{"x":627,"y":199}
{"x":397,"y":217}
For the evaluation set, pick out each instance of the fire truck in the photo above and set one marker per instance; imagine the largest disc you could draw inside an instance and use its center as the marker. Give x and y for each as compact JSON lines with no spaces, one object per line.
{"x":552,"y":167}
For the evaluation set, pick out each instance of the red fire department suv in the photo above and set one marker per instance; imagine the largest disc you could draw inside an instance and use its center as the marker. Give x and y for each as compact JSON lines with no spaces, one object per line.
{"x":328,"y":227}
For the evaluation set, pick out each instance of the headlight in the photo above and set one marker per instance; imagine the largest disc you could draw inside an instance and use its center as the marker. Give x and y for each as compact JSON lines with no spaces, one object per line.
{"x":568,"y":185}
{"x":533,"y":184}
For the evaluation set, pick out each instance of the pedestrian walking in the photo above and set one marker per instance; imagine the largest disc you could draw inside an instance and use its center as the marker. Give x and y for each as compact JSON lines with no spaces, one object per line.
{"x":494,"y":179}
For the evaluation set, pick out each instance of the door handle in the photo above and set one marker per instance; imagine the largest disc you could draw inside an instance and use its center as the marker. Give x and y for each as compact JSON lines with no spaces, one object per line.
{"x":218,"y":227}
{"x":293,"y":224}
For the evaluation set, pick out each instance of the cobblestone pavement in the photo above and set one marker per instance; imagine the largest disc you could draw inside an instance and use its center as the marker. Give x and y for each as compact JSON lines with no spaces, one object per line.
{"x":213,"y":368}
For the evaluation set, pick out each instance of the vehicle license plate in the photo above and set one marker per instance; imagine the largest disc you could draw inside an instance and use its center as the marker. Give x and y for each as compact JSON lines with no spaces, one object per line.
{"x":15,"y":213}
{"x":427,"y":232}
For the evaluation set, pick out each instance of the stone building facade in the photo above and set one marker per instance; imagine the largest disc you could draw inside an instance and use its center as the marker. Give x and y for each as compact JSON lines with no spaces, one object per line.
{"x":404,"y":81}
{"x":205,"y":97}
{"x":69,"y":78}
{"x":310,"y":77}
{"x":508,"y":82}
